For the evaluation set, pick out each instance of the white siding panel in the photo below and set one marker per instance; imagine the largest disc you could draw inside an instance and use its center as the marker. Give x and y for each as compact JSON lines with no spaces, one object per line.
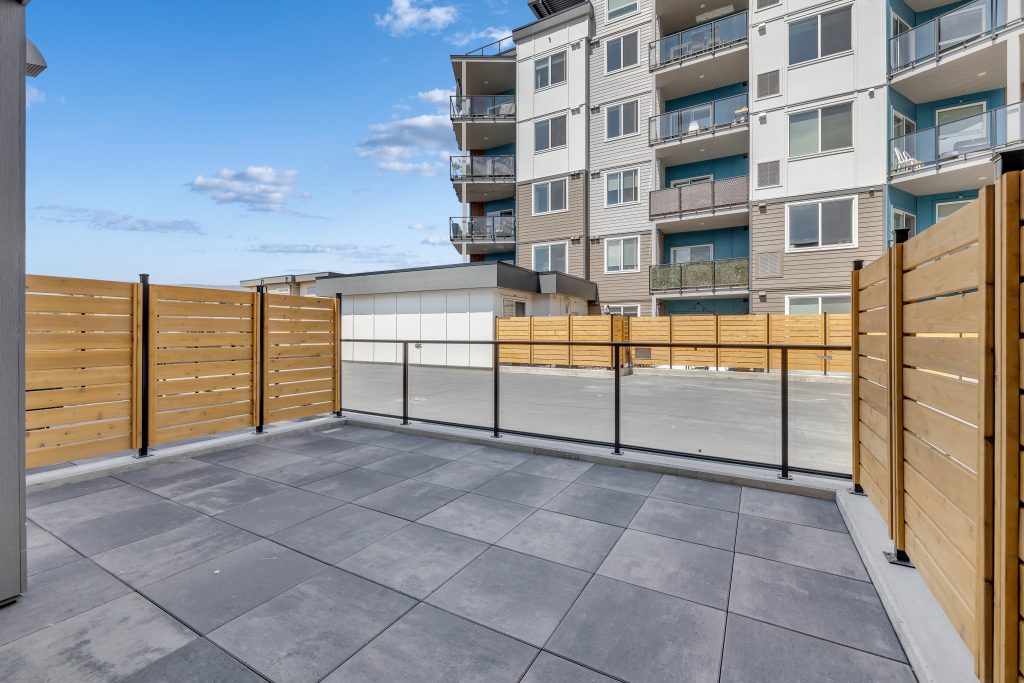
{"x":457,"y":326}
{"x":433,"y":326}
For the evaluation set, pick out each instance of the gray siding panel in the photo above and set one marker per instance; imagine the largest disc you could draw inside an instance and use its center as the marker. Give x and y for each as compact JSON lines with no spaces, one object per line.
{"x":816,"y":271}
{"x":12,"y":300}
{"x":555,"y":227}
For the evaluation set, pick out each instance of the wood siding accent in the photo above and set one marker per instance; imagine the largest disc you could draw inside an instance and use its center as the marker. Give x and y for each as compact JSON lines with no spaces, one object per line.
{"x":554,"y":227}
{"x":812,"y":272}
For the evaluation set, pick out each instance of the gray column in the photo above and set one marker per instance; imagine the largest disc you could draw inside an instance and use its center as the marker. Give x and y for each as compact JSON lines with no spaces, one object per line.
{"x":12,"y":300}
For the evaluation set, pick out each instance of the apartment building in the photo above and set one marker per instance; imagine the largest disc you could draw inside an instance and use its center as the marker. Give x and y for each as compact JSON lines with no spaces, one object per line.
{"x":726,"y":157}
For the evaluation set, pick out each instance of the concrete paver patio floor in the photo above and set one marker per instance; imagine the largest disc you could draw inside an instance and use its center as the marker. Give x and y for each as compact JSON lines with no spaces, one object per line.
{"x":364,"y":555}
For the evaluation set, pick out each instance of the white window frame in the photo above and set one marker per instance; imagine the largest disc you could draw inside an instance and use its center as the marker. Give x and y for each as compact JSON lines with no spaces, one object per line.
{"x":619,"y":173}
{"x":962,"y":202}
{"x":984,"y":108}
{"x":547,"y":58}
{"x":621,"y":240}
{"x":619,"y":106}
{"x":819,"y":296}
{"x":673,"y":250}
{"x":622,"y":60}
{"x":549,"y":119}
{"x":905,"y":120}
{"x":609,"y":19}
{"x":896,"y":23}
{"x":903,"y":221}
{"x":533,"y":255}
{"x":608,"y":309}
{"x":820,"y":151}
{"x":695,"y":180}
{"x":533,"y":196}
{"x":819,"y":57}
{"x":834,"y":247}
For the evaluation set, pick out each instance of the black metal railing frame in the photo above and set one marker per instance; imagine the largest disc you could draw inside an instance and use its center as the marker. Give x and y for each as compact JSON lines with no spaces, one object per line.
{"x":483,"y":228}
{"x":720,"y":275}
{"x":657,"y":134}
{"x":933,"y":26}
{"x":1000,"y":126}
{"x":487,"y":107}
{"x":500,"y":167}
{"x":713,"y":204}
{"x":784,"y":467}
{"x":717,"y":42}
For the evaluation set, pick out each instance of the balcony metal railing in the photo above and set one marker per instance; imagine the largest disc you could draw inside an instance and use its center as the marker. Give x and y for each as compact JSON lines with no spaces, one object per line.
{"x":703,"y":118}
{"x":956,"y":139}
{"x":723,"y":273}
{"x":495,"y":169}
{"x":698,"y":197}
{"x":496,"y":49}
{"x":483,"y":228}
{"x":952,"y":29}
{"x":699,"y":40}
{"x":483,"y":107}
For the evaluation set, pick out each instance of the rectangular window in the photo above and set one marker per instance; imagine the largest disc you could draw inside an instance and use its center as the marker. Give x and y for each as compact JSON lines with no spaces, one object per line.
{"x":818,"y":303}
{"x":903,"y":220}
{"x":693,"y":253}
{"x":821,"y":130}
{"x":622,"y":52}
{"x":549,"y":133}
{"x":549,"y":197}
{"x":549,"y":70}
{"x":902,"y":125}
{"x":513,"y":308}
{"x":827,"y":224}
{"x":550,"y":258}
{"x":946,"y":209}
{"x":620,"y":8}
{"x":621,"y":255}
{"x":820,"y":36}
{"x":621,"y":120}
{"x":621,"y":187}
{"x":629,"y":310}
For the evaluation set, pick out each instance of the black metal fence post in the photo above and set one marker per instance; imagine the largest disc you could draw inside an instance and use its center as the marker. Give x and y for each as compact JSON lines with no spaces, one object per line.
{"x":261,"y":418}
{"x":339,"y":345}
{"x":405,"y":383}
{"x":144,"y":371}
{"x":785,"y":415}
{"x":616,"y":358}
{"x":496,"y":385}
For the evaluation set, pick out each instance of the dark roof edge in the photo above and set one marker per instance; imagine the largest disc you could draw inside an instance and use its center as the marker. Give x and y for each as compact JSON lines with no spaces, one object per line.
{"x":553,"y":19}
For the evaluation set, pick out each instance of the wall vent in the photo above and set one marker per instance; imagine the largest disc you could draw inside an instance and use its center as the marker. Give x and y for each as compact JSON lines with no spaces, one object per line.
{"x":768,"y":174}
{"x":642,"y":353}
{"x":769,"y":264}
{"x":768,"y":84}
{"x":765,"y":4}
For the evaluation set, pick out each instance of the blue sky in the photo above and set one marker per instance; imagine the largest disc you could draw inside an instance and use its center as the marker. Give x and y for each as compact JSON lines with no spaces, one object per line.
{"x":207,"y":142}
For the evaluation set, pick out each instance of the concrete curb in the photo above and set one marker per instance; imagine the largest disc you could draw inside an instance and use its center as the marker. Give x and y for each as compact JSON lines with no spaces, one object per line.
{"x":933,"y":647}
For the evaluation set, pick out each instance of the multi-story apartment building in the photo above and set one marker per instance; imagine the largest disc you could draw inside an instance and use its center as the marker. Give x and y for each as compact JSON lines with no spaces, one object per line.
{"x":694,"y":156}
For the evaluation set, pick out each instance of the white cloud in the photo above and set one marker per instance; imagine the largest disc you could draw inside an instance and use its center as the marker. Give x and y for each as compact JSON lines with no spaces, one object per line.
{"x":435,"y":241}
{"x":104,"y":219}
{"x":482,"y":37}
{"x":414,"y":145}
{"x":416,"y":16}
{"x":421,"y":227}
{"x":438,"y":96}
{"x":260,"y":188}
{"x":34,"y":95}
{"x":378,"y":255}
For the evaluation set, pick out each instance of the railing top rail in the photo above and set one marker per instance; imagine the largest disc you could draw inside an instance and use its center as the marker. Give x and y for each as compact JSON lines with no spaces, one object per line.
{"x":700,"y":27}
{"x":940,"y":17}
{"x":609,"y":344}
{"x":1017,"y":106}
{"x":745,"y":96}
{"x":495,"y":49}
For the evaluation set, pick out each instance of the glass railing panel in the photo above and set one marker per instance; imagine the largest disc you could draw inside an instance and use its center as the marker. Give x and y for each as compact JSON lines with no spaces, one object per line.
{"x":949,"y":30}
{"x":699,"y":39}
{"x":483,"y":106}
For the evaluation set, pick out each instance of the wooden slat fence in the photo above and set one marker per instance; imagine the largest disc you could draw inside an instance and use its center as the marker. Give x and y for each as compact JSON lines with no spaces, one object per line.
{"x":594,"y":328}
{"x":82,"y":340}
{"x":302,"y":339}
{"x":206,"y":375}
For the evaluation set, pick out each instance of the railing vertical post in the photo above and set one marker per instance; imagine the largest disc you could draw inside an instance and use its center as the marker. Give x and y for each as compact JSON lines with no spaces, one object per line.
{"x":899,"y":555}
{"x":144,"y":378}
{"x":258,"y":382}
{"x":785,"y":414}
{"x":858,"y":265}
{"x":616,"y":360}
{"x":337,"y":355}
{"x":405,"y":383}
{"x":496,"y":386}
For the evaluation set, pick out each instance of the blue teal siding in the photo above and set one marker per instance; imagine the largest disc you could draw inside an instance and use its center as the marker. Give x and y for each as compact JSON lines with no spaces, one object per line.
{"x":506,"y":256}
{"x":728,"y":242}
{"x":500,"y":205}
{"x":705,"y":306}
{"x":721,"y":168}
{"x":706,"y":96}
{"x":504,"y":150}
{"x":922,"y":207}
{"x":924,"y":114}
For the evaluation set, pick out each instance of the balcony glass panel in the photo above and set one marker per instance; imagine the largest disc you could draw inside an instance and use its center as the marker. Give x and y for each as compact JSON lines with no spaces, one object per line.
{"x":484,"y":168}
{"x":949,"y":30}
{"x":483,"y":229}
{"x":483,"y":107}
{"x":957,"y":138}
{"x":702,"y":118}
{"x":698,"y":40}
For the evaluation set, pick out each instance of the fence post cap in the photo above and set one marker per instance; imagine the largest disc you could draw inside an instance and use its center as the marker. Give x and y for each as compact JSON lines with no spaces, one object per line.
{"x":902,"y":235}
{"x":858,"y":264}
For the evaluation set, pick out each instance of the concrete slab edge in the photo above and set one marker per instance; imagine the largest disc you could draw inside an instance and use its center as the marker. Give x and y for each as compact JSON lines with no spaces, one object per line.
{"x":933,"y":647}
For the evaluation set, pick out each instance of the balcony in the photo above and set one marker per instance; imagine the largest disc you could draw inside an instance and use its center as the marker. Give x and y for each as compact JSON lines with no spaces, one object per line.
{"x":953,"y":54}
{"x":709,"y":130}
{"x":956,"y":155}
{"x":484,"y":178}
{"x":483,"y":108}
{"x":483,"y":234}
{"x":700,"y":206}
{"x":701,"y":58}
{"x":701,"y":276}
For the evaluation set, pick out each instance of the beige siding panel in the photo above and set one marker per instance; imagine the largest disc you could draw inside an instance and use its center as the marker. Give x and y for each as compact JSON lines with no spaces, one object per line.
{"x":623,"y":288}
{"x":556,"y":227}
{"x":812,"y":272}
